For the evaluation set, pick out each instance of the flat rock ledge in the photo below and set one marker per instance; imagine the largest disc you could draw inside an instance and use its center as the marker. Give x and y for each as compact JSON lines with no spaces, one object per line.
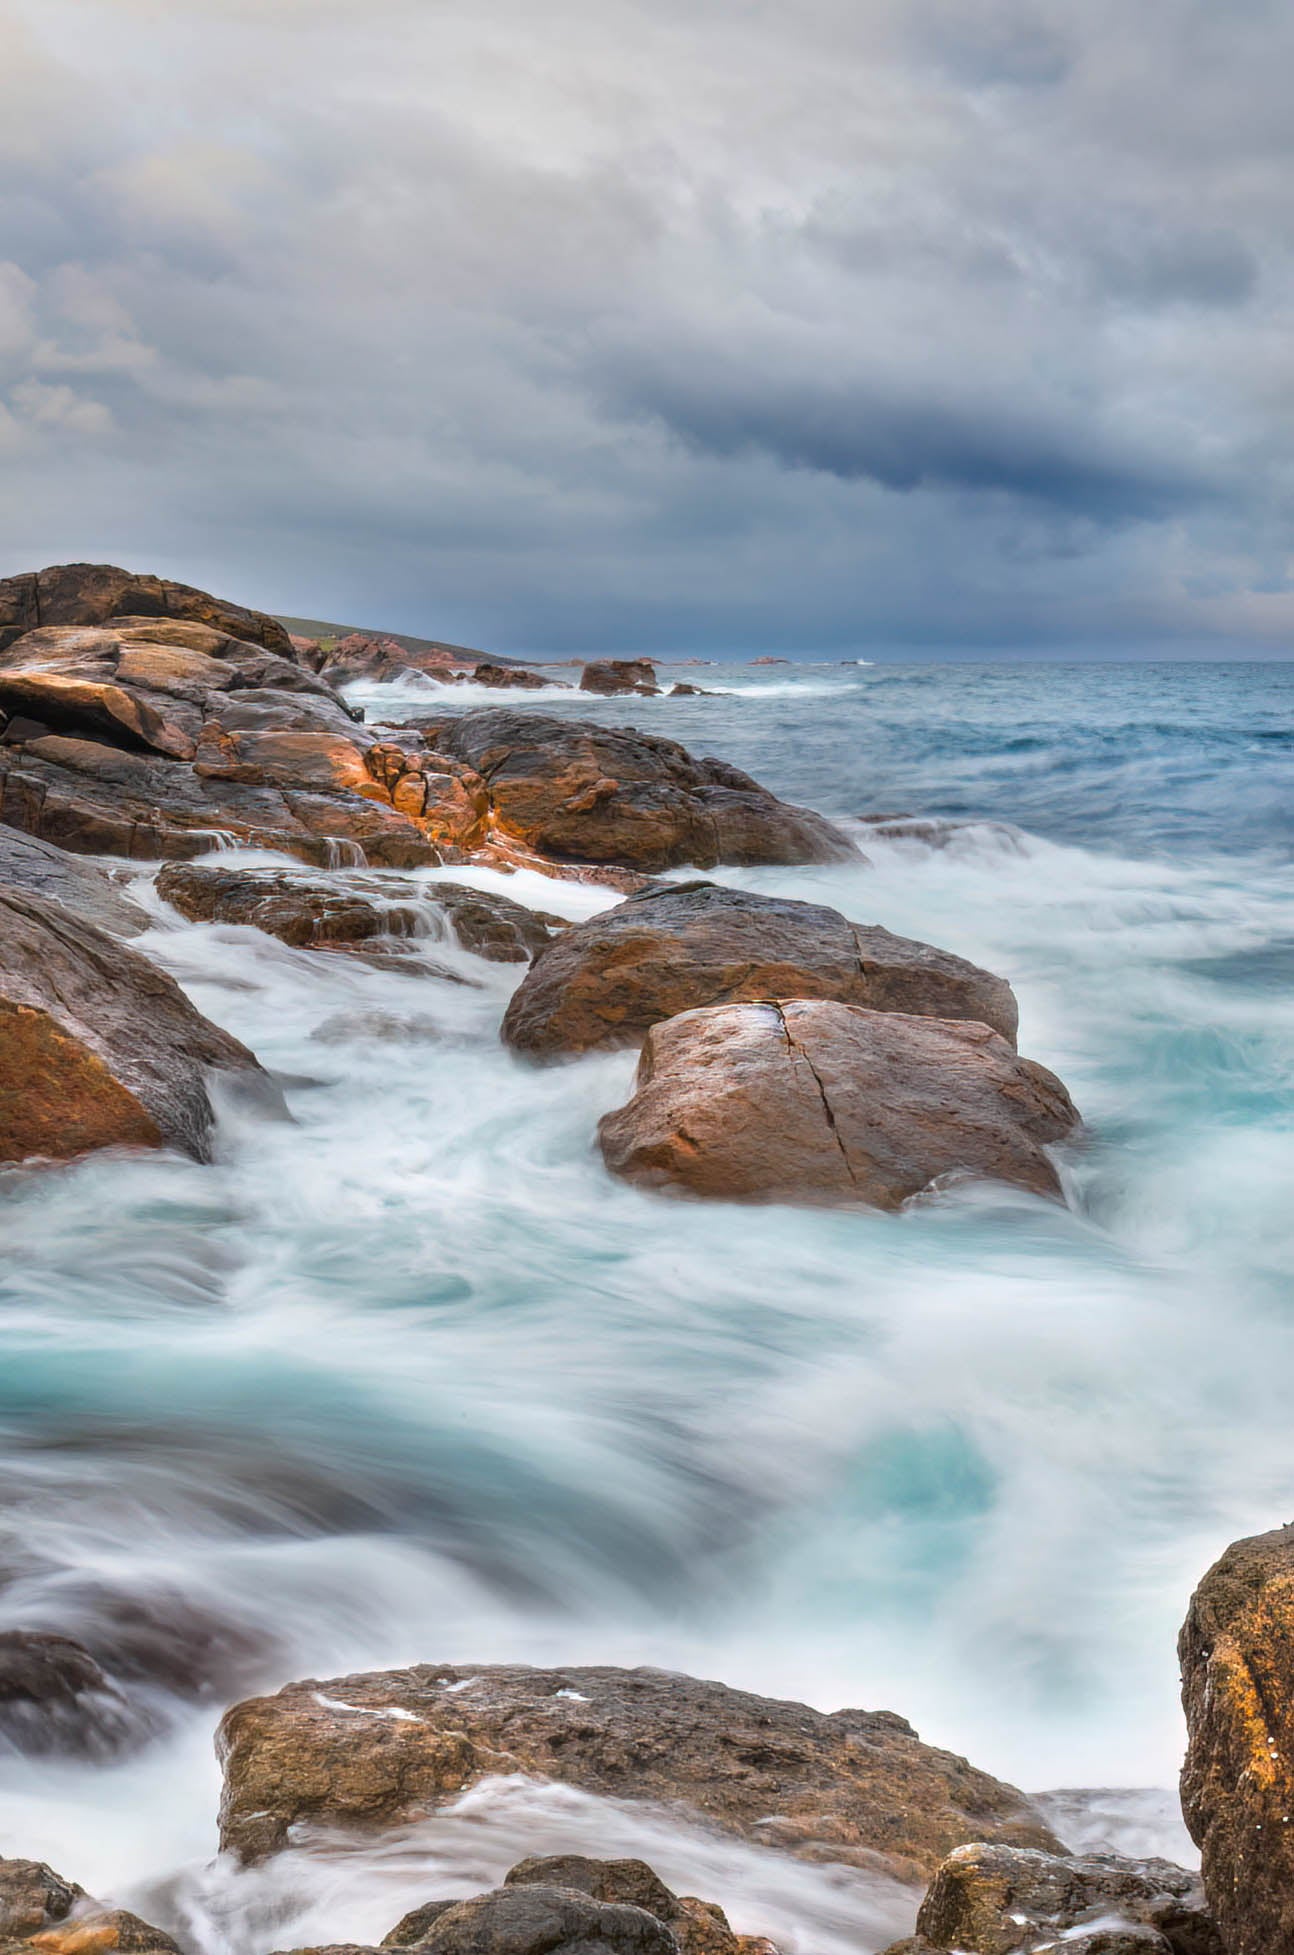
{"x":379,"y":1750}
{"x":829,"y":1104}
{"x":676,"y":948}
{"x":1237,"y":1655}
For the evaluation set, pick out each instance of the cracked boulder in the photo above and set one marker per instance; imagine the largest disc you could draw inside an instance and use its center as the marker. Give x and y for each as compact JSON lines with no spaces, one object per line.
{"x":389,"y":1747}
{"x":824,"y":1103}
{"x":1237,"y":1656}
{"x":606,"y":982}
{"x":586,"y":793}
{"x":99,"y":1047}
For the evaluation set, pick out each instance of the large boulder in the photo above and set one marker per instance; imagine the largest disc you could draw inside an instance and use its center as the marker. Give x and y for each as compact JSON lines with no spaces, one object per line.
{"x":95,"y":593}
{"x":587,"y":793}
{"x":70,"y":880}
{"x":997,"y":1900}
{"x":101,"y":1048}
{"x":610,"y":676}
{"x":825,"y":1103}
{"x":349,"y":906}
{"x":1237,"y":1655}
{"x":382,"y":1749}
{"x":608,"y":981}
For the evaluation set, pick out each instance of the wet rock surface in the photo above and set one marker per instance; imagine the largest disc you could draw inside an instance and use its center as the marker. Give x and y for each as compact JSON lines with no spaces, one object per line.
{"x":55,"y":1698}
{"x":377,"y":1750}
{"x":510,"y":678}
{"x":995,"y":1900}
{"x":44,"y":1914}
{"x":610,"y":676}
{"x":100,"y":1047}
{"x":826,"y":1103}
{"x":586,"y":793}
{"x":699,"y":1927}
{"x":1237,"y":1656}
{"x":608,"y":981}
{"x":80,"y":886}
{"x":95,"y":593}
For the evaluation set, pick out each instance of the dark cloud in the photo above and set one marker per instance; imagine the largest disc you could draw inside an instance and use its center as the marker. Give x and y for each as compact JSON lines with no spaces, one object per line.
{"x":858,"y":323}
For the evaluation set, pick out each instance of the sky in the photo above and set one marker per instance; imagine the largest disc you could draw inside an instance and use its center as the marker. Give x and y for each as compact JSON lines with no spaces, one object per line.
{"x":910,"y":328}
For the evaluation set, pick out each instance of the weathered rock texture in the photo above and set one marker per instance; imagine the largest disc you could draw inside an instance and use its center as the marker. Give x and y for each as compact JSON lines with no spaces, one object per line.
{"x":827,"y":1103}
{"x":608,"y":981}
{"x":544,"y":1920}
{"x":510,"y":678}
{"x":55,"y":1698}
{"x":97,"y":1046}
{"x":699,"y":1927}
{"x":617,"y":675}
{"x":379,"y":1750}
{"x":585,"y":793}
{"x":78,"y":885}
{"x":995,"y":1900}
{"x":351,"y":906}
{"x":95,"y":593}
{"x":37,"y":1902}
{"x":1237,"y":1653}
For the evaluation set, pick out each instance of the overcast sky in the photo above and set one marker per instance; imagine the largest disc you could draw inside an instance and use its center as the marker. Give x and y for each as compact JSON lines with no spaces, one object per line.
{"x":888,"y":326}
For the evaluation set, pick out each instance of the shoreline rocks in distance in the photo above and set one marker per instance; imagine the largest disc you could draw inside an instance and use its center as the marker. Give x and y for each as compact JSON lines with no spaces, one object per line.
{"x":1237,"y":1657}
{"x":101,"y":1047}
{"x":606,"y":982}
{"x":855,"y":1786}
{"x":824,"y":1103}
{"x":611,"y":676}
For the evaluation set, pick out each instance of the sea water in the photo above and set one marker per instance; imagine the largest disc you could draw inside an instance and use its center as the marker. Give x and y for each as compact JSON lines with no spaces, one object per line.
{"x":410,"y":1379}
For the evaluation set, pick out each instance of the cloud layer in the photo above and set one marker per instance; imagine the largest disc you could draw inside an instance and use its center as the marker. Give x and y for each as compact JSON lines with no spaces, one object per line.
{"x":910,"y":326}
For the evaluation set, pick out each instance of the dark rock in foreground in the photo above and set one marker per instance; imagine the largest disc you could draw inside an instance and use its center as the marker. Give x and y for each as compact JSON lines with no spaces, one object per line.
{"x":585,"y":793}
{"x":608,"y":981}
{"x":856,"y":1786}
{"x":97,"y":1046}
{"x":351,"y":906}
{"x":37,"y":1902}
{"x":96,"y":593}
{"x":46,"y":870}
{"x":698,"y":1927}
{"x":830,"y":1104}
{"x":995,"y":1900}
{"x":1237,"y":1655}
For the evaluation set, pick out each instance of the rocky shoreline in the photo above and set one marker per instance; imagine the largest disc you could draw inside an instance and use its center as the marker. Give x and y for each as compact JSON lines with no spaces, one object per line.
{"x":787,"y":1053}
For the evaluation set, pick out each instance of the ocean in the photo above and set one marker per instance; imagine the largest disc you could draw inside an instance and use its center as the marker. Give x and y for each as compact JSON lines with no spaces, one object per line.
{"x":410,"y":1379}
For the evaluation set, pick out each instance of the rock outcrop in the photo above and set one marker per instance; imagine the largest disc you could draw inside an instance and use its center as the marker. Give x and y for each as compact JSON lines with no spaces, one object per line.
{"x":830,"y":1104}
{"x":97,"y":593}
{"x":381,"y":1749}
{"x":610,"y":676}
{"x":584,"y":793}
{"x":608,"y":981}
{"x":1237,"y":1654}
{"x":78,"y":885}
{"x":510,"y":678}
{"x":41,"y":1911}
{"x":100,"y":1047}
{"x":349,"y":906}
{"x":997,"y":1900}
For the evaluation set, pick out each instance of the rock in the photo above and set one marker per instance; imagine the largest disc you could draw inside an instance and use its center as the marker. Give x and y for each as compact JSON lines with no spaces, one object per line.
{"x":1237,"y":1655}
{"x":358,"y":656}
{"x":606,"y":982}
{"x":699,"y":1927}
{"x":831,"y":1104}
{"x":616,"y":675}
{"x":679,"y":690}
{"x":103,"y":1930}
{"x":544,"y":1921}
{"x":33,"y":1897}
{"x":68,"y":879}
{"x":994,"y":1900}
{"x":101,"y":1048}
{"x":349,"y":906}
{"x":379,"y":1028}
{"x":414,"y":1927}
{"x":586,"y":793}
{"x":55,"y":1698}
{"x":508,"y":676}
{"x":386,"y":1748}
{"x":95,"y":593}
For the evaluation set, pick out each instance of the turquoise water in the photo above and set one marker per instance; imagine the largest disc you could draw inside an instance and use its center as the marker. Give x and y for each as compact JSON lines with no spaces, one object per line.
{"x":409,"y":1379}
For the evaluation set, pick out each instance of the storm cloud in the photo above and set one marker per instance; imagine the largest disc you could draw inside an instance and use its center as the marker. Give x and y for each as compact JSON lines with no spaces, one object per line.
{"x":888,"y":326}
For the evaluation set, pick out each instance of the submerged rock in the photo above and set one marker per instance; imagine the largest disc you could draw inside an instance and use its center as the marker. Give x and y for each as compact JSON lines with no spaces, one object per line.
{"x":618,"y":675}
{"x":586,"y":793}
{"x":827,"y":1103}
{"x":55,"y":1698}
{"x":995,"y":1900}
{"x":100,"y":1047}
{"x":608,"y":981}
{"x":1237,"y":1656}
{"x":95,"y":593}
{"x":385,"y":1748}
